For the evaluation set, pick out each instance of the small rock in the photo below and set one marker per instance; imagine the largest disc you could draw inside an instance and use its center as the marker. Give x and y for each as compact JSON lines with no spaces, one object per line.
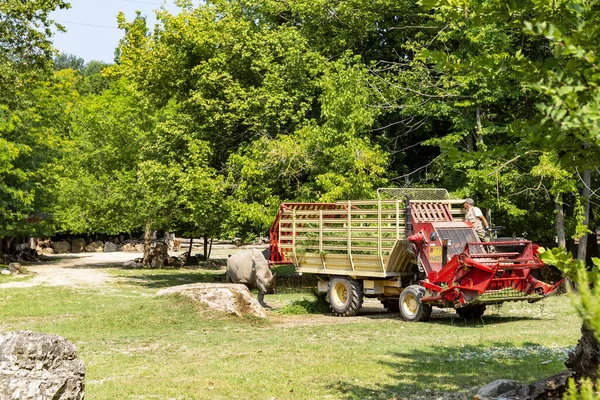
{"x":15,"y":268}
{"x":130,"y":264}
{"x":546,"y":362}
{"x":5,"y":272}
{"x":498,"y":387}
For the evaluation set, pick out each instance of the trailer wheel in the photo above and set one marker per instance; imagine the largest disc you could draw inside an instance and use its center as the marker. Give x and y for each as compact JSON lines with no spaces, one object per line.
{"x":345,"y":296}
{"x":475,"y":311}
{"x":411,"y":308}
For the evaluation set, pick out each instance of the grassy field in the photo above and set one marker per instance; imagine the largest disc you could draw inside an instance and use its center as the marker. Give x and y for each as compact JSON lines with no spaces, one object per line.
{"x":139,"y":346}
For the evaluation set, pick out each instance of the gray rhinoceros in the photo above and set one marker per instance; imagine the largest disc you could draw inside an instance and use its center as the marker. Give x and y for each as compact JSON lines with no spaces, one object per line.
{"x":251,"y":268}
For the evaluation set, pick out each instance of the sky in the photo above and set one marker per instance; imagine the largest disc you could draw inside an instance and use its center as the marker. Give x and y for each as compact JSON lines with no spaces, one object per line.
{"x":92,"y":32}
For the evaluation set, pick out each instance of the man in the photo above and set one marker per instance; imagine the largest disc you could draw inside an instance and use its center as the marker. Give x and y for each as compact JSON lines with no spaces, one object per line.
{"x":475,"y":216}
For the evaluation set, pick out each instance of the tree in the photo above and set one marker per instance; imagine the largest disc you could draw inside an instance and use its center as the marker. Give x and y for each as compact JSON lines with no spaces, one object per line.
{"x":68,"y":61}
{"x":281,"y":121}
{"x":32,"y":106}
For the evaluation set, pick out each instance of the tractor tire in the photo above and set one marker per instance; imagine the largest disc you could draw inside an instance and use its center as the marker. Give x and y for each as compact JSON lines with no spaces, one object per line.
{"x":475,"y":311}
{"x":411,"y":308}
{"x":345,"y":296}
{"x":391,"y":305}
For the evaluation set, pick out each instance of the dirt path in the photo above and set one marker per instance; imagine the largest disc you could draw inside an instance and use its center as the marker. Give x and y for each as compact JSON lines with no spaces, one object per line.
{"x":83,"y":269}
{"x":88,"y":269}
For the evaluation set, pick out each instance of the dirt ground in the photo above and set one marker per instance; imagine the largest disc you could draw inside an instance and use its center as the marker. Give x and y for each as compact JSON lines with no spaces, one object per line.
{"x":85,"y":269}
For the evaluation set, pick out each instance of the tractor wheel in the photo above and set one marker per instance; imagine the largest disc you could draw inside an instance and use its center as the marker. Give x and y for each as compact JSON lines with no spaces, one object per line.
{"x":345,"y":296}
{"x":411,"y":308}
{"x":391,"y":305}
{"x":475,"y":311}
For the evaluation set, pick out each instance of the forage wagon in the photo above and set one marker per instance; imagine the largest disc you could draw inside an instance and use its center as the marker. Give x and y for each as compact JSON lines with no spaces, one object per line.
{"x":411,"y":248}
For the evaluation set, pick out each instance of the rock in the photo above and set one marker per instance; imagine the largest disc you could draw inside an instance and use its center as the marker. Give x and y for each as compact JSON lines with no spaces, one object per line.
{"x":95,"y":247}
{"x":39,"y":366}
{"x":139,"y":247}
{"x":110,"y":247}
{"x":499,"y":387}
{"x":15,"y":268}
{"x":176,"y":262}
{"x":228,"y":297}
{"x":61,"y":247}
{"x":130,"y":264}
{"x":5,"y":272}
{"x":78,"y":245}
{"x":47,"y":250}
{"x":129,"y":247}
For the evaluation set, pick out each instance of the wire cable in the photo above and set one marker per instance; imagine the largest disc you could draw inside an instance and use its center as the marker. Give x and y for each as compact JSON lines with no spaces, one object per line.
{"x":84,"y":24}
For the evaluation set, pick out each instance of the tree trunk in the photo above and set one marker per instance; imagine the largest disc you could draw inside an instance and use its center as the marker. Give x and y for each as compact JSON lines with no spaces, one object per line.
{"x":587,"y":181}
{"x":592,"y":240}
{"x":147,"y":239}
{"x":205,"y":249}
{"x":560,"y":221}
{"x":209,"y":249}
{"x":585,"y":360}
{"x":479,"y":126}
{"x":469,"y":138}
{"x":190,"y":248}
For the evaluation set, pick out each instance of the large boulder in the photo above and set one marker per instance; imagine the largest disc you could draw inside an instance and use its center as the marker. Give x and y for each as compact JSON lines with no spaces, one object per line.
{"x":39,"y":366}
{"x":129,"y":247}
{"x":110,"y":247}
{"x":95,"y":247}
{"x":228,"y":297}
{"x":61,"y":247}
{"x":78,"y":245}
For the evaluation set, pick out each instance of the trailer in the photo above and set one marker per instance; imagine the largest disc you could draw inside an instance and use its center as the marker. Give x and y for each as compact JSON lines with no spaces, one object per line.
{"x":410,"y":248}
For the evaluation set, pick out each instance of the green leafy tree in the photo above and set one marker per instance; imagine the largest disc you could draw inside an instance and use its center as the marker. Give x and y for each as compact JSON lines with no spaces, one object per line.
{"x":32,"y":109}
{"x":69,"y":61}
{"x":282,"y":122}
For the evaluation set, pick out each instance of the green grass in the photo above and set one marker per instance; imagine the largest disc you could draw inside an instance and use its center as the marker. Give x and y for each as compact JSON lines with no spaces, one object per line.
{"x":139,"y":346}
{"x":25,"y":276}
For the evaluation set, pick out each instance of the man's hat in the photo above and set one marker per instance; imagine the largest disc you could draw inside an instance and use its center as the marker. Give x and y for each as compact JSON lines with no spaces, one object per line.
{"x":469,"y":200}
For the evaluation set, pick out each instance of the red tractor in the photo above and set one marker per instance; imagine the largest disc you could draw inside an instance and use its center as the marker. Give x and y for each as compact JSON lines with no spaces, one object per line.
{"x":410,"y":254}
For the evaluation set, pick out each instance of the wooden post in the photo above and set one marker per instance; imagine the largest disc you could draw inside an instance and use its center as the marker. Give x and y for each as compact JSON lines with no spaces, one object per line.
{"x":349,"y":233}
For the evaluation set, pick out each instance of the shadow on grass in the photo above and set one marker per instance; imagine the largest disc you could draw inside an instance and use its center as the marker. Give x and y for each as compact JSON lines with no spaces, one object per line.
{"x":162,"y":280}
{"x":455,"y":372}
{"x":450,"y":318}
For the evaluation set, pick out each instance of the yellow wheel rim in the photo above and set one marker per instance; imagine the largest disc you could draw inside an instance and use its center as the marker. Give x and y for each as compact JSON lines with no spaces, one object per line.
{"x":410,"y":304}
{"x":341,"y":293}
